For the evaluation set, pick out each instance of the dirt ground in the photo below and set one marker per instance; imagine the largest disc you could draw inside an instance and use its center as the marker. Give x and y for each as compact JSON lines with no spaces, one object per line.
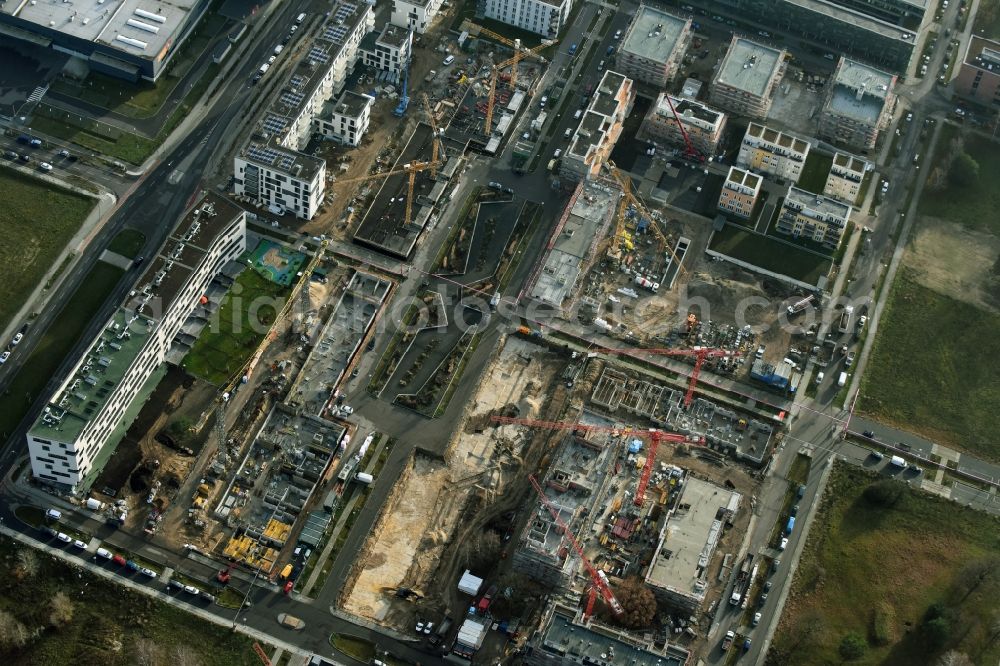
{"x":417,"y":528}
{"x":952,"y":260}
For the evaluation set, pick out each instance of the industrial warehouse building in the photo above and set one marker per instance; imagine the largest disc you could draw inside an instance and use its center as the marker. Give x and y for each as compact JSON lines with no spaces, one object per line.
{"x":131,"y":40}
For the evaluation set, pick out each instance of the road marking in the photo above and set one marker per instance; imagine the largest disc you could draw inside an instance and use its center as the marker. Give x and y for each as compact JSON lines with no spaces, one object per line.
{"x":175,"y":176}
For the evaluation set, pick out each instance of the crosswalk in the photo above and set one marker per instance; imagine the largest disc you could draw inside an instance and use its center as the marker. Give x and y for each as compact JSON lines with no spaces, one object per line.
{"x":37,"y":94}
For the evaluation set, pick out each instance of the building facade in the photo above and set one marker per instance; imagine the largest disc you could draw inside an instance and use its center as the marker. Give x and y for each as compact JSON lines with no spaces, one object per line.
{"x":543,"y":17}
{"x":653,"y":46}
{"x":389,"y":51}
{"x":748,"y":78}
{"x":703,"y":125}
{"x":347,"y":119}
{"x":813,"y":217}
{"x":415,"y":15}
{"x":599,"y":128}
{"x":131,"y":39}
{"x":847,"y":172}
{"x":740,"y":192}
{"x":772,"y":153}
{"x":978,"y":77}
{"x":72,"y":437}
{"x":270,"y":168}
{"x":859,"y":104}
{"x":884,"y":32}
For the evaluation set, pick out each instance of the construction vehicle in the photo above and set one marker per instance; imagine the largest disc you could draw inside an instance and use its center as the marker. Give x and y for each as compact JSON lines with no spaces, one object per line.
{"x":404,"y":94}
{"x":690,"y":152}
{"x":742,"y":583}
{"x":261,"y":654}
{"x":225,"y":574}
{"x":598,"y":579}
{"x":411,"y":168}
{"x":655,"y":437}
{"x":727,"y":642}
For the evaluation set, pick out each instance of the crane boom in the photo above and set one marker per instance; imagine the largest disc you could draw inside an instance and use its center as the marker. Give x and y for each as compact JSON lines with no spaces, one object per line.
{"x":689,"y":150}
{"x":599,"y":579}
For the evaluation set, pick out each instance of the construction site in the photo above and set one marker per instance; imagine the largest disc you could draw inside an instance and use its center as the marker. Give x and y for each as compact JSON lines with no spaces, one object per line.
{"x":555,"y":444}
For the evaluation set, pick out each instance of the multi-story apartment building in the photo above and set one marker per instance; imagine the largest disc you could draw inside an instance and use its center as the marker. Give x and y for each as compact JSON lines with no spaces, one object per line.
{"x":388,"y":51}
{"x":653,"y":46}
{"x":978,"y":76}
{"x":884,"y":32}
{"x":739,"y":192}
{"x":415,"y":15}
{"x":859,"y":104}
{"x":748,"y":78}
{"x":270,"y":169}
{"x":599,"y":128}
{"x":346,"y":120}
{"x":76,"y":432}
{"x":773,"y":153}
{"x":544,"y":17}
{"x":703,"y":125}
{"x":846,"y":175}
{"x":814,"y":217}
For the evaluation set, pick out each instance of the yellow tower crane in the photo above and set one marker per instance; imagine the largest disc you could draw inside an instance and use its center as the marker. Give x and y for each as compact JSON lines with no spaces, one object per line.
{"x":411,"y":168}
{"x":438,"y":145}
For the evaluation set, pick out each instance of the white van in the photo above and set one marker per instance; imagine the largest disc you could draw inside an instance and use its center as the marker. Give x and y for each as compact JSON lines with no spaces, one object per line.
{"x":450,"y":59}
{"x":300,"y":18}
{"x":819,"y":377}
{"x":842,"y":380}
{"x":279,"y":48}
{"x":53,"y":514}
{"x":896,"y":461}
{"x":579,"y":112}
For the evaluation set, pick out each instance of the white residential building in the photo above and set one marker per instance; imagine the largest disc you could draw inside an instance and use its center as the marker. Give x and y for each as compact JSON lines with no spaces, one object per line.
{"x":544,"y":17}
{"x":847,"y":173}
{"x":813,"y":216}
{"x":270,"y":169}
{"x":859,"y":104}
{"x":748,"y":78}
{"x":653,"y":46}
{"x":416,"y":15}
{"x":78,"y":430}
{"x":739,"y":192}
{"x":346,"y":120}
{"x":599,"y":128}
{"x":388,"y":51}
{"x":702,"y":124}
{"x":773,"y":153}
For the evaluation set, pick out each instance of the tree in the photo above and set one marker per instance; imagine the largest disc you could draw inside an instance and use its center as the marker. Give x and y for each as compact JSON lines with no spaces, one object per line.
{"x":975,"y":573}
{"x":145,"y":652}
{"x":60,"y":610}
{"x":27,"y":564}
{"x":884,"y":493}
{"x":638,"y":602}
{"x":185,"y":656}
{"x":964,"y":170}
{"x":954,"y":658}
{"x":13,"y":634}
{"x":938,"y":632}
{"x":852,"y":647}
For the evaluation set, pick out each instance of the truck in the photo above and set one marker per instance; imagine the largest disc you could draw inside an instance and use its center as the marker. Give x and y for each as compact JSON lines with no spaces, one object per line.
{"x":552,"y":164}
{"x":95,"y":505}
{"x":896,"y":461}
{"x":364,"y":477}
{"x":290,"y":621}
{"x":801,"y":305}
{"x":845,"y":318}
{"x":742,"y":581}
{"x":727,"y":642}
{"x":790,"y":526}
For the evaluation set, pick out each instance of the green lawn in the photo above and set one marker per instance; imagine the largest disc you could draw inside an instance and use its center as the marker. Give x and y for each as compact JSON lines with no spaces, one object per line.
{"x":38,"y":221}
{"x":975,"y":204}
{"x":987,"y":19}
{"x":875,"y":570}
{"x":934,"y":368}
{"x":770,"y":254}
{"x":56,"y":343}
{"x":242,"y":321}
{"x":127,"y":243}
{"x":107,"y":624}
{"x":358,"y":648}
{"x":815,"y":171}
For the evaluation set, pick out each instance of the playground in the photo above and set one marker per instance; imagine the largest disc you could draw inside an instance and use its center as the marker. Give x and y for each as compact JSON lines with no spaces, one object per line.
{"x":276,"y":262}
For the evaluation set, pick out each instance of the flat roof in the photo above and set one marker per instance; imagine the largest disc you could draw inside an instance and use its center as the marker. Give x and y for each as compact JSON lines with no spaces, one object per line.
{"x":817,"y":203}
{"x":689,"y":111}
{"x":393,"y":35}
{"x":742,"y":177}
{"x":350,"y":104}
{"x":849,"y":162}
{"x":142,"y":28}
{"x":984,"y":54}
{"x":268,"y":153}
{"x":749,"y":66}
{"x":859,"y":91}
{"x":859,"y":19}
{"x":595,"y":122}
{"x":654,"y":34}
{"x":689,"y":537}
{"x":778,"y":138}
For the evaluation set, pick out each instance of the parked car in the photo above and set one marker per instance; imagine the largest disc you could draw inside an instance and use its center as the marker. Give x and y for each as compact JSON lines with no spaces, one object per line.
{"x":756,"y":619}
{"x":4,"y":356}
{"x":119,"y":560}
{"x":45,"y":166}
{"x":147,"y":572}
{"x":79,"y":544}
{"x":783,"y":544}
{"x":104,"y":553}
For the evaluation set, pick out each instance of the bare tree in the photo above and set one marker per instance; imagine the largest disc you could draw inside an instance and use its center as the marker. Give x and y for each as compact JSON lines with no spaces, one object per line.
{"x":954,"y":658}
{"x":146,"y":652}
{"x":13,"y":634}
{"x":60,"y":610}
{"x":185,"y":656}
{"x":638,"y":602}
{"x":975,"y":573}
{"x":27,"y":564}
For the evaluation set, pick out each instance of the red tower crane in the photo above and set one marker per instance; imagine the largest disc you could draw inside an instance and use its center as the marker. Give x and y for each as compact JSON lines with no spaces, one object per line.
{"x":690,"y":152}
{"x":598,"y":578}
{"x":699,"y":354}
{"x":655,"y":437}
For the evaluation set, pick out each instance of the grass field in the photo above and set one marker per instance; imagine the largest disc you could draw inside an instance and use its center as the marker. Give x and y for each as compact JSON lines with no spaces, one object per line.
{"x":242,"y":321}
{"x":127,"y":243}
{"x":815,"y":171}
{"x":770,"y":254}
{"x":973,"y":205}
{"x":876,"y":570}
{"x":101,"y":623}
{"x":987,"y":19}
{"x":56,"y":343}
{"x":38,"y":221}
{"x":934,"y":368}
